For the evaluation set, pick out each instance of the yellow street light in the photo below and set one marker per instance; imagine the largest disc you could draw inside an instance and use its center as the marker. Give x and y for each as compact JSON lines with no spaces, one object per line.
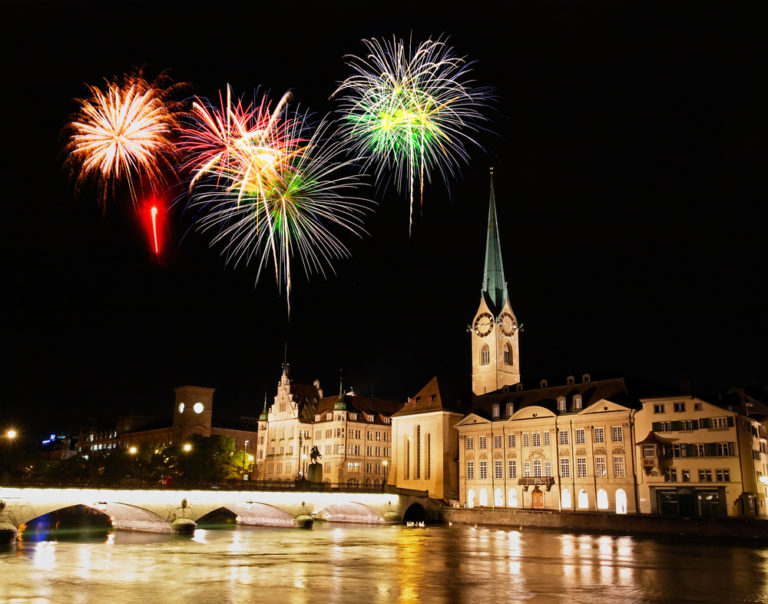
{"x":132,"y":450}
{"x":187,"y":447}
{"x":11,"y":433}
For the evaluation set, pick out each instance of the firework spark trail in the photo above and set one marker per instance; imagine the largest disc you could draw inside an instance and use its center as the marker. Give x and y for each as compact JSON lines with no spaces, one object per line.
{"x":410,"y":112}
{"x":252,"y":166}
{"x":124,"y":132}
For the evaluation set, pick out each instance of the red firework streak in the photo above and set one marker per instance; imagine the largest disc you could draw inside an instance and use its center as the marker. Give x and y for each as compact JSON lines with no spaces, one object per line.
{"x":152,"y":216}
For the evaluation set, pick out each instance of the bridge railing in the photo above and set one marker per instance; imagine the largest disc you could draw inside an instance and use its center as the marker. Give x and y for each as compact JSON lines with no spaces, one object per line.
{"x":215,"y":485}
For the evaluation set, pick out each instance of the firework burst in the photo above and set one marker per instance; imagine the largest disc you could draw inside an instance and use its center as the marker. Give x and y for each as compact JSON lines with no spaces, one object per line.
{"x":410,"y":112}
{"x":269,"y":186}
{"x":124,"y":133}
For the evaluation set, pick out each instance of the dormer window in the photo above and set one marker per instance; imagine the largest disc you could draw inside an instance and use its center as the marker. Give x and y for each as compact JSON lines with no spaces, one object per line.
{"x":570,"y":380}
{"x":586,"y":378}
{"x":510,"y":409}
{"x":577,"y":402}
{"x":561,"y":404}
{"x":543,"y":384}
{"x":495,"y":411}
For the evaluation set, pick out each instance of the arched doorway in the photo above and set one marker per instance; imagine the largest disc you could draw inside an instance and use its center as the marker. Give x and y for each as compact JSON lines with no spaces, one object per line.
{"x":602,"y":499}
{"x":471,"y":498}
{"x":621,"y":502}
{"x":513,"y":497}
{"x":566,"y":499}
{"x":483,"y":498}
{"x":583,"y":499}
{"x":537,"y":499}
{"x":498,"y":498}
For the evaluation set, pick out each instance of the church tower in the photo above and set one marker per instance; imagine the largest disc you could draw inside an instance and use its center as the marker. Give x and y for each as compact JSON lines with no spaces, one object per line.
{"x":494,"y":329}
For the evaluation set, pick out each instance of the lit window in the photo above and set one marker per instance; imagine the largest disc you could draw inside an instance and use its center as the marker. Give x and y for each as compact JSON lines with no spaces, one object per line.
{"x":563,"y":437}
{"x":482,"y":442}
{"x":498,"y":469}
{"x":546,"y":439}
{"x":565,"y":467}
{"x":618,"y":466}
{"x":485,"y":355}
{"x":536,"y":439}
{"x":470,"y":443}
{"x":512,"y":466}
{"x":483,"y":470}
{"x":617,"y":434}
{"x":537,"y":468}
{"x":580,"y":437}
{"x":581,"y":467}
{"x":600,"y":470}
{"x":599,"y":435}
{"x":526,"y":442}
{"x":527,"y":469}
{"x":547,"y":468}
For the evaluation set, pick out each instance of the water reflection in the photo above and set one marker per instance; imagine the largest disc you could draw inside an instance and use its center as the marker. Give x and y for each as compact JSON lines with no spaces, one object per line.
{"x":366,"y":565}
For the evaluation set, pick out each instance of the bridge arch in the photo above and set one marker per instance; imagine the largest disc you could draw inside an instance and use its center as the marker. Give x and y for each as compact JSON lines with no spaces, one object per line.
{"x":415,"y":513}
{"x":259,"y":514}
{"x":350,"y":512}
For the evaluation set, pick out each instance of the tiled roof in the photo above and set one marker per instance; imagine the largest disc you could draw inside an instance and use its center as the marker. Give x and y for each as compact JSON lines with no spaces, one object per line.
{"x":614,"y":390}
{"x":435,"y":396}
{"x":372,"y":406}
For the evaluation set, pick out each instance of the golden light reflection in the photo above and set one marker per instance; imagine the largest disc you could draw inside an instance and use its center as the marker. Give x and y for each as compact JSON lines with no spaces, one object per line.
{"x":84,"y":563}
{"x":45,"y":555}
{"x":410,"y":552}
{"x":200,"y":536}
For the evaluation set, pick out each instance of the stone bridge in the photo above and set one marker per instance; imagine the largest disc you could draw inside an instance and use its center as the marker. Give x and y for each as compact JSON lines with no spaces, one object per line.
{"x":166,"y":510}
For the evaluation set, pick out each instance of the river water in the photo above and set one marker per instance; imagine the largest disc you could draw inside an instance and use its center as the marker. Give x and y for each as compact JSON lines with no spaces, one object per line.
{"x":367,"y":564}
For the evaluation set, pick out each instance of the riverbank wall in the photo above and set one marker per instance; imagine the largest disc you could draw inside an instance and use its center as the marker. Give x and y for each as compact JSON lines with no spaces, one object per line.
{"x":737,"y":528}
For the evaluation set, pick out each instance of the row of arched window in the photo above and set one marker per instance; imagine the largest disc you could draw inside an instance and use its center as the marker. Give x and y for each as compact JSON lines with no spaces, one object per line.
{"x":566,"y":502}
{"x":509,"y":355}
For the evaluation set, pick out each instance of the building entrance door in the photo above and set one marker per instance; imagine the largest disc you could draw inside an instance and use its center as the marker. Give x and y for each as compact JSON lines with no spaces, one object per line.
{"x":689,"y":506}
{"x":537,"y":499}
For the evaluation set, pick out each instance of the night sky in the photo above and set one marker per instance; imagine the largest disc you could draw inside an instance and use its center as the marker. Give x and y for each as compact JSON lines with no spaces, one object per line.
{"x":631,"y":183}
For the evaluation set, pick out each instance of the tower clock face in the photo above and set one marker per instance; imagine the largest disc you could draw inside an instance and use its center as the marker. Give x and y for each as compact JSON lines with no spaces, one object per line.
{"x":181,"y":407}
{"x":483,"y":324}
{"x":198,"y":408}
{"x":507,"y":324}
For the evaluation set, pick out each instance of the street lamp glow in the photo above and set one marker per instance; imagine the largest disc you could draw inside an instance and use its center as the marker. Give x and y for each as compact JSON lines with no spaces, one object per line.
{"x":132,"y":450}
{"x":11,"y":433}
{"x":187,"y":447}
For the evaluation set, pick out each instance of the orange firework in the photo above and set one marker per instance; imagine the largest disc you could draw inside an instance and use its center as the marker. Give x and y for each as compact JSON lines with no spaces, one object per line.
{"x":124,"y":133}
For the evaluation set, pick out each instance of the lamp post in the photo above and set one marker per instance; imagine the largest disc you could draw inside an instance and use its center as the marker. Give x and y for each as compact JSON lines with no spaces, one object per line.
{"x":385,"y":463}
{"x":10,"y":436}
{"x":245,"y":454}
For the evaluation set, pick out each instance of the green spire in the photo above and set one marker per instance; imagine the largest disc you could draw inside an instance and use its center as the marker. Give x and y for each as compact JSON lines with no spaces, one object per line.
{"x":494,"y":285}
{"x":263,"y":416}
{"x":340,"y":405}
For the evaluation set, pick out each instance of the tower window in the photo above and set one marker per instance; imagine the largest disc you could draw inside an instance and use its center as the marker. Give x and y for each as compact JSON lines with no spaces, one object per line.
{"x":509,"y":357}
{"x":485,"y":355}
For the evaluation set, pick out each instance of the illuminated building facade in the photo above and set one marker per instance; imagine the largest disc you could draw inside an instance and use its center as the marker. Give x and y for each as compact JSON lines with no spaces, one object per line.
{"x":425,"y":443}
{"x":594,"y":444}
{"x":696,"y":458}
{"x":352,"y":435}
{"x":192,"y":414}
